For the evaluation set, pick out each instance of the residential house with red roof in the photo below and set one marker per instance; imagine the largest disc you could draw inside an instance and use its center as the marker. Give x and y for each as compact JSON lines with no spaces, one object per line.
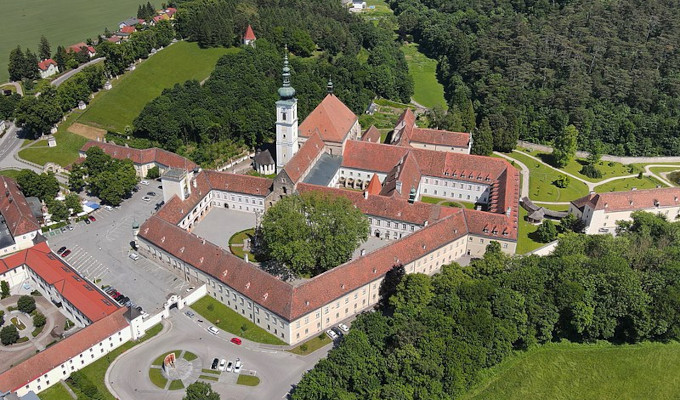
{"x":82,"y":46}
{"x":18,"y":225}
{"x":601,"y":211}
{"x":47,"y":68}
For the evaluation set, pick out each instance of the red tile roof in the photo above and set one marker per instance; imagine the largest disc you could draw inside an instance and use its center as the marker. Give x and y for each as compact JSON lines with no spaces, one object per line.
{"x":15,"y":209}
{"x":83,"y":295}
{"x":114,"y":39}
{"x":127,"y":29}
{"x":170,"y":11}
{"x":142,"y":156}
{"x":632,"y":200}
{"x":56,"y":355}
{"x":331,"y":118}
{"x":78,"y":47}
{"x":44,"y":65}
{"x":403,"y":177}
{"x":303,"y":160}
{"x":405,"y":124}
{"x":372,"y":134}
{"x":250,"y":35}
{"x":363,"y":155}
{"x":439,"y":137}
{"x":374,"y":186}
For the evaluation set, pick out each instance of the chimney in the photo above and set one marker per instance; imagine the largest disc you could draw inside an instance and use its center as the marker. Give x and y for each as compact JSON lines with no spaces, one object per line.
{"x":412,"y":196}
{"x":508,"y":211}
{"x":399,"y":187}
{"x":363,"y":252}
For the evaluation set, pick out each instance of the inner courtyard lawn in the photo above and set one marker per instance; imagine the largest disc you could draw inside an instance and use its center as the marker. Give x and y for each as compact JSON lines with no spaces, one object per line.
{"x":229,"y":320}
{"x":541,"y":178}
{"x":565,"y":371}
{"x":114,"y":109}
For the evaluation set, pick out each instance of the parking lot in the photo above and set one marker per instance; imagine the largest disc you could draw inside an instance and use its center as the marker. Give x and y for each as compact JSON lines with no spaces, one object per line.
{"x":100,"y":251}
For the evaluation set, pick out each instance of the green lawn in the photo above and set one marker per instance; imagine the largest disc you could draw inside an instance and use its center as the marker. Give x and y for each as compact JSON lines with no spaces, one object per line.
{"x":209,"y":378}
{"x":231,"y":321}
{"x":248,"y":380}
{"x":11,"y":173}
{"x":64,"y":153}
{"x":525,"y":243}
{"x":311,"y":345}
{"x":157,"y":378}
{"x":189,"y":356}
{"x":620,"y":185}
{"x":427,"y":90}
{"x":447,"y":203}
{"x":182,"y":61}
{"x":95,"y":372}
{"x":566,"y":371}
{"x":176,"y":385}
{"x":55,"y":392}
{"x":608,"y":169}
{"x":62,"y":22}
{"x":210,"y":371}
{"x":541,"y":178}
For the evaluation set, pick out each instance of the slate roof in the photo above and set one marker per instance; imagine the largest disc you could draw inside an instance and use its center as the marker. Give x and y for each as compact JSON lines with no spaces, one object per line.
{"x":331,"y":118}
{"x":263,"y":158}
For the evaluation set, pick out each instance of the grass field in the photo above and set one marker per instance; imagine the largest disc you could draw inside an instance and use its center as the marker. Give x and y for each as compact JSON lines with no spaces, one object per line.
{"x":11,"y":173}
{"x":541,"y":178}
{"x":565,"y":371}
{"x":525,"y":243}
{"x":232,"y":322}
{"x":55,"y":392}
{"x":248,"y":380}
{"x":311,"y":345}
{"x":157,"y":378}
{"x":62,"y":22}
{"x":427,"y":90}
{"x":118,"y":107}
{"x":628,"y":183}
{"x":64,"y":154}
{"x":447,"y":202}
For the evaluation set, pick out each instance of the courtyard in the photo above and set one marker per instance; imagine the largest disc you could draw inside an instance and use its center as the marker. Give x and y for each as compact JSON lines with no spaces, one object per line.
{"x":220,"y":224}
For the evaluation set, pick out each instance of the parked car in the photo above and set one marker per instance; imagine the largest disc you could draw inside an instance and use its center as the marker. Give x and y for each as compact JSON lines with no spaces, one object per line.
{"x":87,"y":221}
{"x":146,"y":183}
{"x":134,"y":256}
{"x":189,"y":314}
{"x":344,"y":327}
{"x":62,"y":229}
{"x":92,"y":218}
{"x":108,"y":207}
{"x":230,"y":366}
{"x":61,"y":249}
{"x":70,"y":228}
{"x":237,"y":366}
{"x":190,"y":288}
{"x":214,"y":363}
{"x":223,"y":365}
{"x":236,"y":340}
{"x":66,"y":253}
{"x":337,"y":331}
{"x":213,"y":330}
{"x":146,"y":198}
{"x":331,"y":334}
{"x":151,"y":194}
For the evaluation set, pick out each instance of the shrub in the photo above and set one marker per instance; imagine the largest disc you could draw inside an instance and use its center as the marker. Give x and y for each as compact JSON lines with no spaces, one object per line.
{"x":26,"y":304}
{"x":39,"y":320}
{"x":562,"y":182}
{"x":304,"y":347}
{"x":4,"y":289}
{"x":547,"y":232}
{"x":9,"y":335}
{"x":591,"y":171}
{"x":211,"y":307}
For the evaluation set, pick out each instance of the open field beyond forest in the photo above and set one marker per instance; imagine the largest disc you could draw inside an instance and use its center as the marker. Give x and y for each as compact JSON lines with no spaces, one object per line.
{"x":565,"y":371}
{"x":114,"y":109}
{"x":62,"y":22}
{"x":427,"y":90}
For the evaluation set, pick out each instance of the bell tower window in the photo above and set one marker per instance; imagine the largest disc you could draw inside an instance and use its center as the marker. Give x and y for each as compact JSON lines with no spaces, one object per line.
{"x":283,"y":116}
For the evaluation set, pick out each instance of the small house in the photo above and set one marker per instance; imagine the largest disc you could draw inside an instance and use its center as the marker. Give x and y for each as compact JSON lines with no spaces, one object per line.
{"x":263,"y":162}
{"x":47,"y":68}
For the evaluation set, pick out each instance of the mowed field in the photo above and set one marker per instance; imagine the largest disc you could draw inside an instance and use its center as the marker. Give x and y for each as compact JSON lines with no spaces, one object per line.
{"x":427,"y":90}
{"x":114,"y":109}
{"x":565,"y":371}
{"x":63,"y":22}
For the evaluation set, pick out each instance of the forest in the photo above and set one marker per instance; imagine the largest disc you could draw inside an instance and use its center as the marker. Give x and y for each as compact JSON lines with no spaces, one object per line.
{"x":435,"y":335}
{"x":533,"y":67}
{"x":236,"y":104}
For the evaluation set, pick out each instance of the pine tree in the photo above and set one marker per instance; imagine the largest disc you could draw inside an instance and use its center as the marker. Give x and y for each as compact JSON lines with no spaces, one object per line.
{"x":150,"y":11}
{"x":44,"y":48}
{"x":16,"y":64}
{"x":60,"y":58}
{"x":482,"y":143}
{"x":468,"y":116}
{"x":141,"y":13}
{"x":30,"y":65}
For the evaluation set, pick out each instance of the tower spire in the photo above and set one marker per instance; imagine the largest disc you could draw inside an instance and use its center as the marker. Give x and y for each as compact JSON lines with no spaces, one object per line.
{"x":329,"y":86}
{"x":286,"y":91}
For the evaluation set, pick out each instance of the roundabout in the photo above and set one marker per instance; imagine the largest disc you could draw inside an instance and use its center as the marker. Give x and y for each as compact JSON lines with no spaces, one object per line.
{"x":175,"y":370}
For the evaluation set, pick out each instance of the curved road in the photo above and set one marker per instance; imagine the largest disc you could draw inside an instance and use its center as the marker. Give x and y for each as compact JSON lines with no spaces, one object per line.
{"x":17,"y":86}
{"x":128,"y":376}
{"x":58,"y":81}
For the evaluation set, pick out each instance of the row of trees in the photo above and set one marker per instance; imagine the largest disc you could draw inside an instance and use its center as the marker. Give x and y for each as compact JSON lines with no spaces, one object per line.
{"x":532,"y":68}
{"x":23,"y":65}
{"x":438,"y":333}
{"x":109,"y":179}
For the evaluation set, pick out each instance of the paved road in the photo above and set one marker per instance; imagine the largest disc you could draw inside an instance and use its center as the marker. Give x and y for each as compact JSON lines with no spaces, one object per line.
{"x":10,"y":142}
{"x":605,"y":157}
{"x":17,"y":86}
{"x":58,"y":81}
{"x":101,"y":250}
{"x":128,"y":376}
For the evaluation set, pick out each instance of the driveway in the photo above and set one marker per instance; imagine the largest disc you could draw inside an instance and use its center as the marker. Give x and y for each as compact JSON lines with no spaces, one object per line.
{"x":278,"y":370}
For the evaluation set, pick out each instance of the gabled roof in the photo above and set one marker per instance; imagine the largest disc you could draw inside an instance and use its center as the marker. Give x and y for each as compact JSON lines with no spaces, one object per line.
{"x":403,"y":177}
{"x":374,"y":186}
{"x":372,"y":134}
{"x":250,"y":35}
{"x":127,"y":29}
{"x":438,"y":137}
{"x":16,"y":210}
{"x":303,"y":160}
{"x":78,"y":47}
{"x":263,"y":158}
{"x":56,"y":355}
{"x":44,"y":65}
{"x":631,"y":200}
{"x":142,"y":156}
{"x":114,"y":39}
{"x":331,"y":118}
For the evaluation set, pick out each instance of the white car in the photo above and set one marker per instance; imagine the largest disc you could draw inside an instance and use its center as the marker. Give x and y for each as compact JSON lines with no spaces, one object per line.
{"x":146,"y":198}
{"x":108,"y":207}
{"x":331,"y":334}
{"x":238,"y":366}
{"x":190,"y":289}
{"x":344,"y":327}
{"x":145,"y":183}
{"x":213,"y":330}
{"x":223,"y":365}
{"x":134,"y":256}
{"x":230,"y":366}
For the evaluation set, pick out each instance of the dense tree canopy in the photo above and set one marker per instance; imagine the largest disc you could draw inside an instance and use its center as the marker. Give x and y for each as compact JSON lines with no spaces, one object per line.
{"x":109,"y":179}
{"x":200,"y":391}
{"x":312,"y":233}
{"x":438,"y":333}
{"x":611,"y":69}
{"x":44,"y":186}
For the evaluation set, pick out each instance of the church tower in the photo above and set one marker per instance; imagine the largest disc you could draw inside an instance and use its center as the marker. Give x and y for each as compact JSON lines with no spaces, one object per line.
{"x":286,"y":120}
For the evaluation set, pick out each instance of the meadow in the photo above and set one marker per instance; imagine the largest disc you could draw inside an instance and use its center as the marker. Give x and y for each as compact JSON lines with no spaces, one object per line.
{"x":427,"y":90}
{"x":62,"y":22}
{"x":564,"y":371}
